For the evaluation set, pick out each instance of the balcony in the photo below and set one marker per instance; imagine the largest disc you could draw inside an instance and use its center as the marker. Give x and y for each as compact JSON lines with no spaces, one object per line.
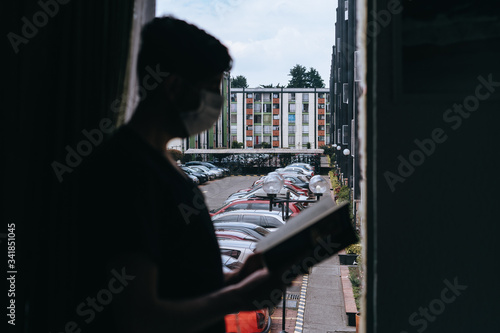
{"x":276,"y":121}
{"x":249,"y":122}
{"x":276,"y":100}
{"x":321,"y":122}
{"x":249,"y":133}
{"x":276,"y":133}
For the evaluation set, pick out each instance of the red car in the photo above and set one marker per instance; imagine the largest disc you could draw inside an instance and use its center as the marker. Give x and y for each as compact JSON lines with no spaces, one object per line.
{"x":258,"y":321}
{"x":255,"y":204}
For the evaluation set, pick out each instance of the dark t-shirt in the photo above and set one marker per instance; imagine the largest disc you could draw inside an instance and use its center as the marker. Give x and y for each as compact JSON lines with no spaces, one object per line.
{"x":132,"y":200}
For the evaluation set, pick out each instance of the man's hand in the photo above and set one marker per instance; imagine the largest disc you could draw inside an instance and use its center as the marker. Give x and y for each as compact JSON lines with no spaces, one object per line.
{"x":253,"y":263}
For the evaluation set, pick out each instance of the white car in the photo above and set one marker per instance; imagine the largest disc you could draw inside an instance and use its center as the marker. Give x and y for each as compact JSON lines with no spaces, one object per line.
{"x":239,"y":250}
{"x":199,"y":168}
{"x":259,"y":192}
{"x":269,"y":220}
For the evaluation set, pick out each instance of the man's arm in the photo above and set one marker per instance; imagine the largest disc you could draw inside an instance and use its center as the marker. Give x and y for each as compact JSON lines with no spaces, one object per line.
{"x":138,"y":308}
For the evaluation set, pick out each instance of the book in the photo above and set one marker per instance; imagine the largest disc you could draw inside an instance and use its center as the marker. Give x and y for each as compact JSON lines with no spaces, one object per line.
{"x":312,"y":236}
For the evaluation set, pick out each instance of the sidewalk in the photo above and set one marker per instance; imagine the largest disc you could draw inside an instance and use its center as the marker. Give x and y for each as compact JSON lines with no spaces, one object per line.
{"x":324,"y":306}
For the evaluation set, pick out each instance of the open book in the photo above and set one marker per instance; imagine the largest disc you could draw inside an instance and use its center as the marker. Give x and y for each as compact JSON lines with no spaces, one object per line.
{"x":312,"y":236}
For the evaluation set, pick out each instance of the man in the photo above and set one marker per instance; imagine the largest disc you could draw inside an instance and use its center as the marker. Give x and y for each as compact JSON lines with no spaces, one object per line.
{"x":147,"y":256}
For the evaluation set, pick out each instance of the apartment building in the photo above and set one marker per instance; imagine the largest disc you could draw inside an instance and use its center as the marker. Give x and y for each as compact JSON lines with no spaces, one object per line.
{"x":279,"y":117}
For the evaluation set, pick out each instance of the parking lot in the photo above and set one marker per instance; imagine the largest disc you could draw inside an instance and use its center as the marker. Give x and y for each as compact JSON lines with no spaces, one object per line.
{"x":217,"y":191}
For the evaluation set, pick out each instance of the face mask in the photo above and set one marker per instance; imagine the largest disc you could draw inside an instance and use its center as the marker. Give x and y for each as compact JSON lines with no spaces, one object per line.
{"x":205,"y":116}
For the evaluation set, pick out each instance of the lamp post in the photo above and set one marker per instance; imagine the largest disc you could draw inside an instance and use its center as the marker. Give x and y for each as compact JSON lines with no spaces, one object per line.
{"x":273,"y":183}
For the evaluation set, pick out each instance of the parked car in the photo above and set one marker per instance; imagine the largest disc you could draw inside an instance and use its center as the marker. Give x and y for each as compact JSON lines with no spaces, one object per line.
{"x":230,"y":262}
{"x":304,"y":171}
{"x":203,"y":178}
{"x":247,"y":228}
{"x":257,"y":204}
{"x":306,"y":166}
{"x":224,"y":171}
{"x":239,"y":250}
{"x":259,"y":192}
{"x":266,"y":219}
{"x":194,"y":179}
{"x":236,"y":235}
{"x":199,"y":168}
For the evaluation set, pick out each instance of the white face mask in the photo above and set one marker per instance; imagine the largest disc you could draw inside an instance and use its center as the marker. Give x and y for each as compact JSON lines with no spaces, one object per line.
{"x":205,"y":116}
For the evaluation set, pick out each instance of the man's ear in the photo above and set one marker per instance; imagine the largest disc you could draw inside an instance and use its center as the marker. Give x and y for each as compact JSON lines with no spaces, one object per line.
{"x":172,"y":87}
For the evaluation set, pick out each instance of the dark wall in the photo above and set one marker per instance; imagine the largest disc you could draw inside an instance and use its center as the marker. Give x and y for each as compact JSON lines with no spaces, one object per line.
{"x":64,"y":66}
{"x":433,"y":172}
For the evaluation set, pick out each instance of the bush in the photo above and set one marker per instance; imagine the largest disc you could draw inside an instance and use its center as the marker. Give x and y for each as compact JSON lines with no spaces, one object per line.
{"x":266,"y":145}
{"x":236,"y":144}
{"x":176,"y":154}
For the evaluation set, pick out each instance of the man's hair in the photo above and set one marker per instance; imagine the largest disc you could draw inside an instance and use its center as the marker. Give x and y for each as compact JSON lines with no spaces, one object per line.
{"x":175,"y":46}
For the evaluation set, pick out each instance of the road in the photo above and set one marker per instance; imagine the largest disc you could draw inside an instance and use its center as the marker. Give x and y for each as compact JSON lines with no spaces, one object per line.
{"x":217,"y":191}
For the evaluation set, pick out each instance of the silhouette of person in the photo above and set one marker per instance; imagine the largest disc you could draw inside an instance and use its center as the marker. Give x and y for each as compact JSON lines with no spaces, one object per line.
{"x":147,"y":259}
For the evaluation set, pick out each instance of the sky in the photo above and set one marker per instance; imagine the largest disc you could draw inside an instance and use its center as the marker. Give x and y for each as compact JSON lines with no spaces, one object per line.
{"x":266,"y":38}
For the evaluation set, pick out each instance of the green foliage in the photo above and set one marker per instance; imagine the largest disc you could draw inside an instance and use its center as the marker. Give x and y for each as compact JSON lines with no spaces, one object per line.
{"x":270,"y":86}
{"x":327,"y":150}
{"x":355,"y":277}
{"x":308,"y":145}
{"x":353,"y":249}
{"x":176,"y":154}
{"x":239,"y":82}
{"x":266,"y":145}
{"x":301,"y":78}
{"x":236,"y":144}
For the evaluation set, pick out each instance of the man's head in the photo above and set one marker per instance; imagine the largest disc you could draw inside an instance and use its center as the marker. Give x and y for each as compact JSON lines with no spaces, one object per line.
{"x":170,"y":45}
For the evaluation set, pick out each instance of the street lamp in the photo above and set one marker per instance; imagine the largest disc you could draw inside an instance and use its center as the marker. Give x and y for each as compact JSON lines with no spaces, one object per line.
{"x":346,"y":151}
{"x":273,"y":183}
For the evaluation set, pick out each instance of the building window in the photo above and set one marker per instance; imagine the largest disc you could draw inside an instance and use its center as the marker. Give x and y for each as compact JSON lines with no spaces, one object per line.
{"x":276,"y":128}
{"x":321,"y":106}
{"x":233,"y":97}
{"x":258,"y":139}
{"x":276,"y":106}
{"x":291,"y":107}
{"x":321,"y":127}
{"x":234,"y":118}
{"x":258,"y":129}
{"x":305,"y":107}
{"x":276,"y":116}
{"x":328,"y":118}
{"x":305,"y":139}
{"x":321,"y":138}
{"x":257,"y":107}
{"x":234,"y":129}
{"x":267,"y":108}
{"x":275,"y":95}
{"x":305,"y":97}
{"x":266,"y":139}
{"x":321,"y":116}
{"x":234,"y":108}
{"x":291,"y":97}
{"x":249,"y":105}
{"x":249,"y":138}
{"x":257,"y":97}
{"x":321,"y":95}
{"x":267,"y":129}
{"x":305,"y":118}
{"x":305,"y":128}
{"x":276,"y":138}
{"x":291,"y":118}
{"x":234,"y":138}
{"x":267,"y":118}
{"x":291,"y":140}
{"x":249,"y":128}
{"x":291,"y":129}
{"x":258,"y":118}
{"x":249,"y":116}
{"x":249,"y":95}
{"x":327,"y":95}
{"x":267,"y":97}
{"x":327,"y":128}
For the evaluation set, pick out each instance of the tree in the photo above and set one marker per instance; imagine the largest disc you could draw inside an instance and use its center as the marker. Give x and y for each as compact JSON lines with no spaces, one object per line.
{"x":301,"y":78}
{"x":236,"y":144}
{"x":269,"y":86}
{"x":239,"y":82}
{"x":314,"y":79}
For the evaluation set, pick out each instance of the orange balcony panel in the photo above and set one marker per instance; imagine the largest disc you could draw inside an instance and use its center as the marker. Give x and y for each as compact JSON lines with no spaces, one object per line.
{"x":249,"y":111}
{"x":321,"y":133}
{"x":321,"y":122}
{"x":276,"y":143}
{"x":321,"y":100}
{"x":276,"y":121}
{"x":321,"y":111}
{"x":276,"y":111}
{"x":321,"y":143}
{"x":249,"y":143}
{"x":249,"y":122}
{"x":249,"y":100}
{"x":249,"y":133}
{"x":276,"y":133}
{"x":276,"y":100}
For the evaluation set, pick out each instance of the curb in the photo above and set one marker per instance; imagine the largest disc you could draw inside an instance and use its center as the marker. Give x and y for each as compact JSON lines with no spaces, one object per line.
{"x":299,"y":323}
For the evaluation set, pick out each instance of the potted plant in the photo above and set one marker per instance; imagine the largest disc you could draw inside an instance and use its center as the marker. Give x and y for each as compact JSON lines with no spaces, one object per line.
{"x":351,"y":254}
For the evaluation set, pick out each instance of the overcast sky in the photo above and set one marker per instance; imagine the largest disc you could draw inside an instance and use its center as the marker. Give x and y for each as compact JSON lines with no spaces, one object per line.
{"x":266,"y":38}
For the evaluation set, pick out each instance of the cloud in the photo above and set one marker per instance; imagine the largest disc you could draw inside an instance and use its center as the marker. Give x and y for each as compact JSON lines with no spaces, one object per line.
{"x":266,"y":38}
